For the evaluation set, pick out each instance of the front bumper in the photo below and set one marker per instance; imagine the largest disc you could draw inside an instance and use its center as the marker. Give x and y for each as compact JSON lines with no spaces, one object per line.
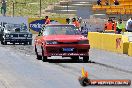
{"x":56,"y":50}
{"x":18,"y":40}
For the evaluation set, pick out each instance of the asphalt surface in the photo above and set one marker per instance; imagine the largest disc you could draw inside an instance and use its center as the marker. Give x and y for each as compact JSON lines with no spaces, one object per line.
{"x":19,"y":68}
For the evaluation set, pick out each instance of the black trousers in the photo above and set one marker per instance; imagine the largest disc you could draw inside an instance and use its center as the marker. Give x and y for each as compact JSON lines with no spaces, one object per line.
{"x":98,"y":2}
{"x":118,"y":30}
{"x":129,"y":30}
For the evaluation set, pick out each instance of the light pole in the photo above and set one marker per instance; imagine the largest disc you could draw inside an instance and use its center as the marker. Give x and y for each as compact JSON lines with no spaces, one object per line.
{"x":13,"y":8}
{"x":68,"y":6}
{"x":40,"y":7}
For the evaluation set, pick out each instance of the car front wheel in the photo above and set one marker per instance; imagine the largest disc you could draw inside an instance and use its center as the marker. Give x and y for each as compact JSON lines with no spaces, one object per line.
{"x":75,"y":58}
{"x":3,"y":42}
{"x":44,"y":58}
{"x":86,"y":59}
{"x":30,"y":42}
{"x":36,"y":52}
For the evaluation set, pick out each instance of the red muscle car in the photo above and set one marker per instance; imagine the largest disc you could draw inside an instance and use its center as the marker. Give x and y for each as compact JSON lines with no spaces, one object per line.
{"x":61,"y":40}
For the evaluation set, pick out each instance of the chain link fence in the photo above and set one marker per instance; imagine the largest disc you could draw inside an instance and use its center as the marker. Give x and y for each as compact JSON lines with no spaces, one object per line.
{"x":27,"y":7}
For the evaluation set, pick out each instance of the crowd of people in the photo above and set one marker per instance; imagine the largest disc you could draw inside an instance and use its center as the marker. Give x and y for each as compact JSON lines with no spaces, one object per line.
{"x":74,"y":21}
{"x":112,"y":25}
{"x":115,"y":2}
{"x":118,"y":26}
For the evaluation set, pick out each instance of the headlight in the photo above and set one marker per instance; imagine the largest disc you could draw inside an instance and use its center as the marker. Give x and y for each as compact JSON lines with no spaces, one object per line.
{"x":51,"y":42}
{"x":29,"y":35}
{"x":83,"y":42}
{"x":7,"y":36}
{"x":11,"y":35}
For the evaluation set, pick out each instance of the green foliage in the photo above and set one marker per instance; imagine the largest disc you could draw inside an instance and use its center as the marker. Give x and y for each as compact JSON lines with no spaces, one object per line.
{"x":31,"y":8}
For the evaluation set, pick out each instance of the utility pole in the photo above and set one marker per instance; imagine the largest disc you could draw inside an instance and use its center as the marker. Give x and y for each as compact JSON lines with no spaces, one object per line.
{"x":13,"y":8}
{"x":3,"y":8}
{"x":67,"y":6}
{"x":40,"y":7}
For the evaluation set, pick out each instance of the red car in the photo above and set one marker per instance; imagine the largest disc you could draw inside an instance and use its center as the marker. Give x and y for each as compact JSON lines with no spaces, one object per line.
{"x":61,"y":40}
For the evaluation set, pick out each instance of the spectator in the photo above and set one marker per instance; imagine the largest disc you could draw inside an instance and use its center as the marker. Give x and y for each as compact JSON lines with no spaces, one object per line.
{"x":106,"y":2}
{"x":116,"y":2}
{"x":114,"y":24}
{"x":76,"y":23}
{"x":68,"y":21}
{"x":99,"y":2}
{"x":120,"y":26}
{"x":47,"y":20}
{"x":109,"y":25}
{"x":129,"y":25}
{"x":80,"y":20}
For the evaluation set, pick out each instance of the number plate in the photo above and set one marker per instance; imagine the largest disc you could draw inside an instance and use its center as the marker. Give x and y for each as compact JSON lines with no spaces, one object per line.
{"x":68,"y":49}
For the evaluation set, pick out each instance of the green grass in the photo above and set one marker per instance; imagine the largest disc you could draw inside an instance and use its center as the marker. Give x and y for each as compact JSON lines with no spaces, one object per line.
{"x":30,"y":9}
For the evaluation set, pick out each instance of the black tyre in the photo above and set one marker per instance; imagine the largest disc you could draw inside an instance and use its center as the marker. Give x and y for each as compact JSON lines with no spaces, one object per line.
{"x":3,"y":42}
{"x":84,"y":81}
{"x":30,"y":42}
{"x":86,"y":59}
{"x":25,"y":43}
{"x":38,"y":56}
{"x":13,"y":43}
{"x":44,"y":58}
{"x":75,"y":58}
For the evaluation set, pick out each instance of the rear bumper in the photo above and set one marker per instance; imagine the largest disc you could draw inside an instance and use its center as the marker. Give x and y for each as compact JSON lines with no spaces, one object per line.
{"x":56,"y":50}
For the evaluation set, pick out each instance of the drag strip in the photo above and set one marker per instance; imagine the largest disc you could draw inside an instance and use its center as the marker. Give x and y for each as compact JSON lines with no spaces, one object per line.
{"x":20,"y":68}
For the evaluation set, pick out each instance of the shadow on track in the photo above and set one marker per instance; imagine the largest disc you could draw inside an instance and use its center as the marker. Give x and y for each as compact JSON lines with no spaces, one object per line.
{"x":66,"y":61}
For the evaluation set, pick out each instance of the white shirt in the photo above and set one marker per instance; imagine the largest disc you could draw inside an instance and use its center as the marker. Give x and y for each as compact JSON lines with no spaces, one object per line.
{"x":127,"y":27}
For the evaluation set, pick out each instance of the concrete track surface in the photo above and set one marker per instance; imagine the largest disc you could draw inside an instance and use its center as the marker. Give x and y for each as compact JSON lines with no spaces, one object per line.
{"x":19,"y":68}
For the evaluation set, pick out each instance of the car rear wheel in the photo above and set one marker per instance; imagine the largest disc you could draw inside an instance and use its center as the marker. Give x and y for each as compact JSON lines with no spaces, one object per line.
{"x":75,"y":58}
{"x":39,"y":57}
{"x":44,"y":58}
{"x":86,"y":59}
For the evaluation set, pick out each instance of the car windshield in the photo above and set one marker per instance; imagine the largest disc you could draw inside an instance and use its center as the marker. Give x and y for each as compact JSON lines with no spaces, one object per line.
{"x":11,"y":27}
{"x":61,"y":30}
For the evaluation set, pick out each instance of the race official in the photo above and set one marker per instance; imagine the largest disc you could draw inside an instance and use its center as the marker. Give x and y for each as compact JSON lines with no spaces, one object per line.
{"x":75,"y":22}
{"x":68,"y":21}
{"x":109,"y":25}
{"x":129,"y":25}
{"x":120,"y":26}
{"x":47,"y":20}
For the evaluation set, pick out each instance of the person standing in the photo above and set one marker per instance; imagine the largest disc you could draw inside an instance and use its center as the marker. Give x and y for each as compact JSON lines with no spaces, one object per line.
{"x":75,"y":22}
{"x":120,"y":26}
{"x":99,"y":2}
{"x":3,"y":7}
{"x":68,"y":21}
{"x":109,"y":25}
{"x":116,"y":2}
{"x":47,"y":20}
{"x":129,"y":25}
